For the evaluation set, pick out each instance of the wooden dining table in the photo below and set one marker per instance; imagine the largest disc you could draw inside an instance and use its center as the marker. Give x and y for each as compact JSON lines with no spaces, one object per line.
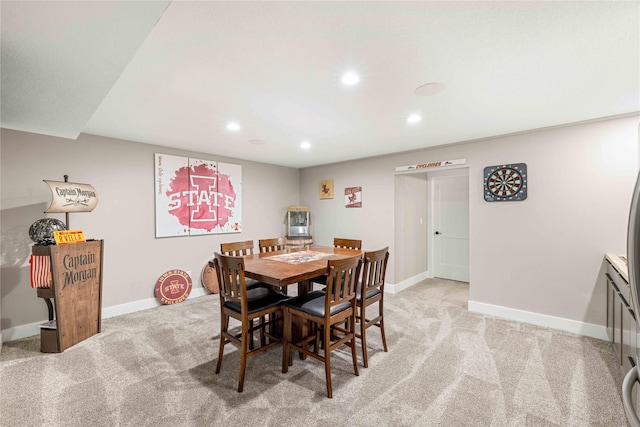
{"x":294,"y":265}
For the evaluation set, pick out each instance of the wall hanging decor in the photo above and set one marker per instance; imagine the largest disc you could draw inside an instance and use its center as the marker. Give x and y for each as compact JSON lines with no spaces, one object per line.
{"x":195,"y":197}
{"x":353,"y":197}
{"x":326,"y":189}
{"x":505,"y":183}
{"x":431,"y":165}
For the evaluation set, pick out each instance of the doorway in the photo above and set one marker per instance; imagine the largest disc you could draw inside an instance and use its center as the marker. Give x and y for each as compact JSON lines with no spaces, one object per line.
{"x":449,"y":224}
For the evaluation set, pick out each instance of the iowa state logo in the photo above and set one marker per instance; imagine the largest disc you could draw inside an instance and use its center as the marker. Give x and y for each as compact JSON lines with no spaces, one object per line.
{"x":201,"y":198}
{"x":173,"y":287}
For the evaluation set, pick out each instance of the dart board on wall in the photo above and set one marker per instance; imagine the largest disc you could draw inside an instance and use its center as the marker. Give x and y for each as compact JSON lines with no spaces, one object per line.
{"x":505,"y":183}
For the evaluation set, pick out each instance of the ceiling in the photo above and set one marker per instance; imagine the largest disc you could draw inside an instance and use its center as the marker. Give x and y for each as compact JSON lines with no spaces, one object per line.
{"x":175,"y":73}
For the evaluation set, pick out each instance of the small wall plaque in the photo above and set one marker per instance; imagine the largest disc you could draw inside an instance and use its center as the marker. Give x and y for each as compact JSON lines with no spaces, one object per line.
{"x":353,"y":197}
{"x":326,"y":189}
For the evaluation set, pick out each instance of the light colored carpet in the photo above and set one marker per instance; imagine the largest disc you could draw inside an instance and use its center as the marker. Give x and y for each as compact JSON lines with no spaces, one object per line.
{"x":445,"y":367}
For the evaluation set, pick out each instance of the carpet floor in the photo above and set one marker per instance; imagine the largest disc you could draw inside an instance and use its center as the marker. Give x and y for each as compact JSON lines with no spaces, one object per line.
{"x":445,"y":367}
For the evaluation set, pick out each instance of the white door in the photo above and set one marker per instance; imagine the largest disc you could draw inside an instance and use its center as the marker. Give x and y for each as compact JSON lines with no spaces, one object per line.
{"x":450,"y":224}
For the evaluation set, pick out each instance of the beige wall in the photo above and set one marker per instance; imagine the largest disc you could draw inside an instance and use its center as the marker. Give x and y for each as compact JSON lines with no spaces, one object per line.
{"x":123,"y":175}
{"x":541,"y":255}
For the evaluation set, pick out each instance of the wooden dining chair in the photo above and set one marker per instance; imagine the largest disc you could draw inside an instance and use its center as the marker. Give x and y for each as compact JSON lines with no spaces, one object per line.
{"x":370,"y":291}
{"x":237,"y":248}
{"x":326,"y":313}
{"x":240,"y":249}
{"x":272,"y":245}
{"x":240,"y":303}
{"x":338,"y":242}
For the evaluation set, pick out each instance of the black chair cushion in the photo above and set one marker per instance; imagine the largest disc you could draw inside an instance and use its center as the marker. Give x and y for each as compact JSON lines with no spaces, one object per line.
{"x":259,"y":298}
{"x":313,"y":303}
{"x":252,"y":283}
{"x":320,"y":279}
{"x":370,"y":292}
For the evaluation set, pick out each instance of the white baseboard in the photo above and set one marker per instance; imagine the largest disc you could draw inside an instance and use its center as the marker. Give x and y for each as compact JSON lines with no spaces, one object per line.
{"x":23,"y":331}
{"x":567,"y":325}
{"x":398,"y":287}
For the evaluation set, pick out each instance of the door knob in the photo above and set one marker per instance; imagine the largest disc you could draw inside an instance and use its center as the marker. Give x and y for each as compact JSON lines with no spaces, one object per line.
{"x":437,"y":232}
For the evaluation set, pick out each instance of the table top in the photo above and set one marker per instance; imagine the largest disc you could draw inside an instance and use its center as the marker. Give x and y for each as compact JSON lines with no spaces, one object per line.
{"x":282,"y":268}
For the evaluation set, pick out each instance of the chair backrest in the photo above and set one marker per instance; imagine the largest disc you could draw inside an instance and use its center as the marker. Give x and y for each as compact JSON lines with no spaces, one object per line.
{"x":374,"y":270}
{"x":271,"y":245}
{"x":231,"y":280}
{"x":237,"y":248}
{"x":339,"y":242}
{"x":342,"y":279}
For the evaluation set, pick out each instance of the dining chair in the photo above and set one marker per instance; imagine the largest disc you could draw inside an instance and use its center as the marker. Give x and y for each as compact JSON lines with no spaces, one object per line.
{"x":325,"y":314}
{"x":240,"y":249}
{"x":370,"y":291}
{"x":245,"y":305}
{"x":237,"y":248}
{"x":272,"y":245}
{"x":338,"y":242}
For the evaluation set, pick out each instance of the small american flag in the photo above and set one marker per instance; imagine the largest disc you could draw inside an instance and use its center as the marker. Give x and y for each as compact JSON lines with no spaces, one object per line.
{"x":40,"y":271}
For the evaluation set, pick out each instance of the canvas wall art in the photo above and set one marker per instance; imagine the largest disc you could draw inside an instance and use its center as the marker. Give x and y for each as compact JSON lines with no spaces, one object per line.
{"x":195,"y":196}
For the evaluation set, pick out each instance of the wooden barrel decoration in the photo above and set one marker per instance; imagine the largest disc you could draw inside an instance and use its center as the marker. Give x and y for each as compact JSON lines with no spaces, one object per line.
{"x":209,"y":278}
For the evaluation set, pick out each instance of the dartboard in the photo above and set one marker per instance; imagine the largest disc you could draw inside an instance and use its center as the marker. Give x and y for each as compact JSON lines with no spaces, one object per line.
{"x":505,"y":183}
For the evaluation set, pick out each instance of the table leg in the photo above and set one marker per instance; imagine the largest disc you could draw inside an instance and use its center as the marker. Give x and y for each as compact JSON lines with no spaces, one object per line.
{"x":304,"y":287}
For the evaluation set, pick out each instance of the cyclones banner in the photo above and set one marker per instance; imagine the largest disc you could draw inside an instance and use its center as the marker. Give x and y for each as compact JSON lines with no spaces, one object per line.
{"x":195,"y":196}
{"x":438,"y":164}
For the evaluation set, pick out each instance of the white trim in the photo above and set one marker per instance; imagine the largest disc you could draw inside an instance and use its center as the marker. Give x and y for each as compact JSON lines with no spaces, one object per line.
{"x":567,"y":325}
{"x":398,"y":287}
{"x":23,"y":331}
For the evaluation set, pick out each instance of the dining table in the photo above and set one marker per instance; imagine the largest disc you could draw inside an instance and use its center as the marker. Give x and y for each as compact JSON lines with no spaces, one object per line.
{"x":294,"y":265}
{"x":298,"y":264}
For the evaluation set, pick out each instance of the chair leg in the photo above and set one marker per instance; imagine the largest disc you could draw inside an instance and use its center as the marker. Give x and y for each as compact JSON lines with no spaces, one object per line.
{"x":363,"y":339}
{"x":352,"y":331}
{"x":224,"y":326}
{"x":263,"y":325}
{"x":251,"y":329}
{"x":384,"y":339}
{"x":244,"y":349}
{"x":327,"y":360}
{"x":286,"y":338}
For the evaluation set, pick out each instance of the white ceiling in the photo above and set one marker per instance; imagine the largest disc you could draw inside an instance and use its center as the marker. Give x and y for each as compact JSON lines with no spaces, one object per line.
{"x":174,"y":73}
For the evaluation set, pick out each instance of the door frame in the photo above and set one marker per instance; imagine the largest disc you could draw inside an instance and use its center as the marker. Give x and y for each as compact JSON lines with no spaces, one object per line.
{"x":464,"y":170}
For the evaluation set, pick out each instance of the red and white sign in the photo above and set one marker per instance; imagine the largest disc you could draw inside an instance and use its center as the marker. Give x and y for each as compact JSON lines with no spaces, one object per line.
{"x":196,"y":196}
{"x":173,"y":287}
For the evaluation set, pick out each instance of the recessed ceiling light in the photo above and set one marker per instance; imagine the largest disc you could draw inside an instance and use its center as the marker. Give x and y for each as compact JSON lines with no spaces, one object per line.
{"x":257,"y":141}
{"x":305,"y":145}
{"x":350,"y":79}
{"x":414,"y":118}
{"x":233,"y":126}
{"x":429,"y":89}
